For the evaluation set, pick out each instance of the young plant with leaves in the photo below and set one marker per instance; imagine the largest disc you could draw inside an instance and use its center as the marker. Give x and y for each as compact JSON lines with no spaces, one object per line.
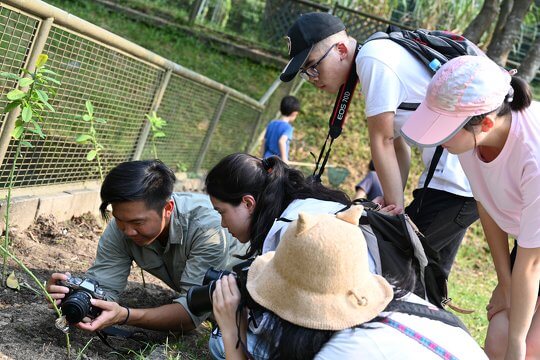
{"x":34,"y":89}
{"x":156,"y":125}
{"x":91,"y":138}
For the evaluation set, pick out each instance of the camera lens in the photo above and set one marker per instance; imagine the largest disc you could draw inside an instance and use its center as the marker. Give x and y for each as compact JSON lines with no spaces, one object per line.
{"x":213,"y":275}
{"x":199,"y":298}
{"x":76,"y":306}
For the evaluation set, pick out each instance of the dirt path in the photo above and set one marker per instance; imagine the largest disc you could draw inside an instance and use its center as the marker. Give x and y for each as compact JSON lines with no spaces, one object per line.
{"x":27,"y":328}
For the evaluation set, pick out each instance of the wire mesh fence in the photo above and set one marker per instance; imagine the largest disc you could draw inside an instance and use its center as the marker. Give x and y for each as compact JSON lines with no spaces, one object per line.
{"x":123,"y":87}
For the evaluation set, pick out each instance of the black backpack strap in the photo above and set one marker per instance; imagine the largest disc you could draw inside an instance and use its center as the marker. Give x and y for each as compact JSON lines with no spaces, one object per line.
{"x":137,"y":335}
{"x":432,"y":166}
{"x":408,"y":106}
{"x":426,"y":311}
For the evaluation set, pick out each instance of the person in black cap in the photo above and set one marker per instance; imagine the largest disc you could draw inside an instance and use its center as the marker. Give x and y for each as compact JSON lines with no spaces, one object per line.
{"x":323,"y":53}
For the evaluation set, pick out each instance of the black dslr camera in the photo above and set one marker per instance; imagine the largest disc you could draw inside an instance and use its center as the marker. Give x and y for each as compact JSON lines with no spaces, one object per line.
{"x":76,"y":305}
{"x":199,"y":298}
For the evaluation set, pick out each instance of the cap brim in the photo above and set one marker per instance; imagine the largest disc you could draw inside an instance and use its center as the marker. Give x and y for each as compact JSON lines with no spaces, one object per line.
{"x":428,"y":128}
{"x":294,"y":65}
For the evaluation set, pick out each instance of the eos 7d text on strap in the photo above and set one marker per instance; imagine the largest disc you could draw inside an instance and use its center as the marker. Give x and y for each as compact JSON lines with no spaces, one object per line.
{"x":339,"y":114}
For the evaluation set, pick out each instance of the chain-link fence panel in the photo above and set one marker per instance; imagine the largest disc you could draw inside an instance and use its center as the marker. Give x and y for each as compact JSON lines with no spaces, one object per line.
{"x":188,"y":108}
{"x":121,"y":90}
{"x":232,"y":133}
{"x":279,"y":15}
{"x":17,"y":33}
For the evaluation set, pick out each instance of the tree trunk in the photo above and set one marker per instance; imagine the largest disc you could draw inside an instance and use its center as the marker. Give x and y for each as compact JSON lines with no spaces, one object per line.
{"x":502,"y":41}
{"x":488,"y":15}
{"x":504,"y":11}
{"x":531,"y":63}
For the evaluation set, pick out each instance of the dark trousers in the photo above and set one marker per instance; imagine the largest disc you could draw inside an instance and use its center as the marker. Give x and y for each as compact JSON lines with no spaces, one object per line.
{"x":443,"y":218}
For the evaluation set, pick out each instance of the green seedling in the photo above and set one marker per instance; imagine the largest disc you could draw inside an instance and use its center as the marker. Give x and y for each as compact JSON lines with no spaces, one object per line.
{"x":156,"y":124}
{"x":30,"y":101}
{"x":91,"y":138}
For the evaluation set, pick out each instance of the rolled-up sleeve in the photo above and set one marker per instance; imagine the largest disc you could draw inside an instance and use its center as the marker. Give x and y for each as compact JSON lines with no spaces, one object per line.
{"x":113,"y":262}
{"x":208,"y":248}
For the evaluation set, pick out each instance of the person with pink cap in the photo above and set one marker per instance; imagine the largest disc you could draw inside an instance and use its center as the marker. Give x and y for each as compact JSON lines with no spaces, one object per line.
{"x":477,"y":110}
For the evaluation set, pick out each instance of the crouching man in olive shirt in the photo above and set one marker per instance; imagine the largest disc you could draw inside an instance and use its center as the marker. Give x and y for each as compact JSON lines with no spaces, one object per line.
{"x":173,"y":236}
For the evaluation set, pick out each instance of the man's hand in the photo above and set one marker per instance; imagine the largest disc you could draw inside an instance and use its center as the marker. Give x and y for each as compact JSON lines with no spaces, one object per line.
{"x":111,"y":314}
{"x":57,"y":292}
{"x":499,"y":302}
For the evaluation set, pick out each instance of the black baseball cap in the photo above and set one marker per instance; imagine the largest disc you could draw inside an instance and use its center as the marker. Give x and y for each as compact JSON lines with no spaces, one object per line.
{"x":307,"y":30}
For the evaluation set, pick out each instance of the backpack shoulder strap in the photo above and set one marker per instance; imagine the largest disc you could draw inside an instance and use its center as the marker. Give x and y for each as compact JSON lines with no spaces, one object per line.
{"x":427,"y":312}
{"x":431,"y":171}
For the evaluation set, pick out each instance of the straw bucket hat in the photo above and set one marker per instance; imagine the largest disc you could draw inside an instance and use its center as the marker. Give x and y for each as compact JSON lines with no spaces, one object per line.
{"x":318,"y":277}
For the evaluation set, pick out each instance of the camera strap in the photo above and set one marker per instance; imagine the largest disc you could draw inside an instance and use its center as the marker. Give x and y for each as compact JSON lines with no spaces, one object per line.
{"x":339,"y":114}
{"x":137,"y":335}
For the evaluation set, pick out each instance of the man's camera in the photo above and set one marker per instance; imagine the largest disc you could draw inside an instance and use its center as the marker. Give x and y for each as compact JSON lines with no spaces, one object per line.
{"x":76,"y":305}
{"x":199,"y":298}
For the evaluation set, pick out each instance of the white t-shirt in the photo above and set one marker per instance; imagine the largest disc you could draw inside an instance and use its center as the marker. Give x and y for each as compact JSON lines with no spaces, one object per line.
{"x":310,"y":206}
{"x":382,"y":342}
{"x":509,"y":186}
{"x":390,"y":75}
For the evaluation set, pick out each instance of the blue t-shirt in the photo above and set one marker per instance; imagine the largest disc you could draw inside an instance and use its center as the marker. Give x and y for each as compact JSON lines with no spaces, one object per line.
{"x":274,"y":131}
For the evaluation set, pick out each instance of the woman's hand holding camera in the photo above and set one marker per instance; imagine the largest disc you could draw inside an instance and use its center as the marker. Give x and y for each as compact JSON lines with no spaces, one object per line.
{"x":225,"y":300}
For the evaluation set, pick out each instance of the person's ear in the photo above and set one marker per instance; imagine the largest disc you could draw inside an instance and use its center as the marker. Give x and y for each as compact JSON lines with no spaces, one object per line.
{"x":168,"y":209}
{"x":249,"y":202}
{"x":343,"y":50}
{"x":486,"y":124}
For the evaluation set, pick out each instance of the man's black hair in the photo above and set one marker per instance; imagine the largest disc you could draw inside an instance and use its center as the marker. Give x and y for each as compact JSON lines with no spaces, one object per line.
{"x":289,"y":104}
{"x":148,"y":180}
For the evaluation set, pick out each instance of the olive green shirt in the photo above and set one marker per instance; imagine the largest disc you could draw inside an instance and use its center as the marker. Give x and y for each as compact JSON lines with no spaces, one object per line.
{"x":196,"y":242}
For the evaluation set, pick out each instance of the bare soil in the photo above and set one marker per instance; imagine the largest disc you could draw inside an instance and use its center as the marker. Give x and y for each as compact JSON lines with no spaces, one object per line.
{"x":27,"y":329}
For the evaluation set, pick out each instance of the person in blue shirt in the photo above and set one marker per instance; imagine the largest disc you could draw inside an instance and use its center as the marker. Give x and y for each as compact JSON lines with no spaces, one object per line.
{"x":370,"y":186}
{"x":279,"y":132}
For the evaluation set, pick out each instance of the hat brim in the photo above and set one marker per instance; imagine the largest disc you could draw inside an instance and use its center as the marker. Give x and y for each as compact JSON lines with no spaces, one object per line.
{"x":428,"y":128}
{"x":293,"y":66}
{"x":314,"y":310}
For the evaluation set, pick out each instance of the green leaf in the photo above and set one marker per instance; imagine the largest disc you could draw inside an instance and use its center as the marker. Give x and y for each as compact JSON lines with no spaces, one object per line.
{"x":41,"y":60}
{"x":87,"y":117}
{"x":89,"y":107}
{"x":47,"y":71}
{"x":48,"y":78}
{"x":91,"y":155}
{"x":27,"y":114}
{"x":24,"y":82}
{"x":15,"y":94}
{"x":37,"y":129}
{"x":26,"y":144}
{"x":159,"y":134}
{"x":42,"y":96}
{"x":10,"y":76}
{"x":12,"y":105}
{"x":49,"y":106}
{"x":17,"y":132}
{"x":83,"y":138}
{"x":100,"y":120}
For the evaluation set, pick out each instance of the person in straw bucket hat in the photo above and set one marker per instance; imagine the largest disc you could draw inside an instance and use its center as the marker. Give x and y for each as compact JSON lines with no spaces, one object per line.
{"x":486,"y":116}
{"x":322,"y":302}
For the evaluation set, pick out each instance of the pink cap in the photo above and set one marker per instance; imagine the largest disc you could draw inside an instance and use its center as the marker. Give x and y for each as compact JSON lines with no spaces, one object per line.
{"x":463,"y":87}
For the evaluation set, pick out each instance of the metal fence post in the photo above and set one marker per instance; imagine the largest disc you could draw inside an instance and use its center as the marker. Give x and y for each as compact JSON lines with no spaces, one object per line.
{"x":210,"y":132}
{"x":250,"y":147}
{"x":36,"y":48}
{"x":155,"y":106}
{"x":196,"y":8}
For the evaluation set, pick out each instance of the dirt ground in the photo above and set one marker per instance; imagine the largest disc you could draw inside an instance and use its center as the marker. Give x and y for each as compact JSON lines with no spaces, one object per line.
{"x":27,"y":328}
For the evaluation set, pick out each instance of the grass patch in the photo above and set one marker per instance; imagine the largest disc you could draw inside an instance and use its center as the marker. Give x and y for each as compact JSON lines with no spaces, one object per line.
{"x":236,"y":72}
